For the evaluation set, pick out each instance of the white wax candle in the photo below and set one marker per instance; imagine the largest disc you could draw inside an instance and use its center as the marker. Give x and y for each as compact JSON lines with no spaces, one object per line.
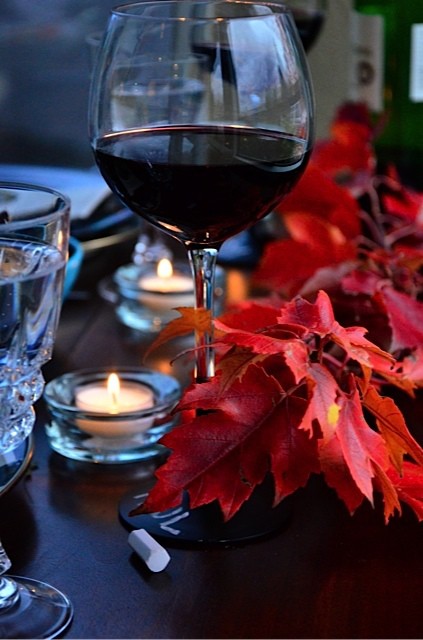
{"x":167,"y":288}
{"x":101,"y":398}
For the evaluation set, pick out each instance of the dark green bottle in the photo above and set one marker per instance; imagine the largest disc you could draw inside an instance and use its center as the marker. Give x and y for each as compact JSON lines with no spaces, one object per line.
{"x":387,"y":73}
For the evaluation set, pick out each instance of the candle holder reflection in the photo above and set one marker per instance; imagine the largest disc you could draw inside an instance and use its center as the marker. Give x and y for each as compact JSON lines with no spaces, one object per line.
{"x":146,"y":296}
{"x":100,"y":415}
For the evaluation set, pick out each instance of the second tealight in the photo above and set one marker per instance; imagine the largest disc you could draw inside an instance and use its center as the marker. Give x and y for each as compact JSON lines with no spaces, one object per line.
{"x":147,"y":296}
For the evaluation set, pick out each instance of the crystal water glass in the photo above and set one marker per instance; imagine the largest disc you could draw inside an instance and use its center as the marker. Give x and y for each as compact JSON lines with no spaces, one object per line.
{"x":34,"y":234}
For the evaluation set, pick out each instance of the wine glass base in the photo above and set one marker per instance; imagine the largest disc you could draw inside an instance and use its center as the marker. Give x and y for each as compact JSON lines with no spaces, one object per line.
{"x":41,"y":611}
{"x":257,"y":518}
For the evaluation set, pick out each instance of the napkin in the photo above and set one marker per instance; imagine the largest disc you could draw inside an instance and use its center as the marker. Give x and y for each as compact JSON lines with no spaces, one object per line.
{"x":85,"y":188}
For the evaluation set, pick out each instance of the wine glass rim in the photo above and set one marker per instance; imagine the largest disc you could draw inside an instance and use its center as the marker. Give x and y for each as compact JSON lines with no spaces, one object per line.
{"x":60,"y":205}
{"x":128,"y":9}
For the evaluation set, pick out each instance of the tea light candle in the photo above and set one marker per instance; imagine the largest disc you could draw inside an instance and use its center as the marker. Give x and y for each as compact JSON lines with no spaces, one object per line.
{"x":167,"y":288}
{"x":111,"y":419}
{"x":114,"y":399}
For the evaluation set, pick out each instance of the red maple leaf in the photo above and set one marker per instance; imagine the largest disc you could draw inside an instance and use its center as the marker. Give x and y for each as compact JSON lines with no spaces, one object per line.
{"x":349,"y":151}
{"x":409,"y":488}
{"x":405,"y":317}
{"x":317,"y":193}
{"x":228,"y":449}
{"x":337,"y":474}
{"x":359,"y":444}
{"x":359,"y":236}
{"x":361,"y":281}
{"x":401,"y":201}
{"x":251,"y":316}
{"x":321,"y":219}
{"x":412,"y":366}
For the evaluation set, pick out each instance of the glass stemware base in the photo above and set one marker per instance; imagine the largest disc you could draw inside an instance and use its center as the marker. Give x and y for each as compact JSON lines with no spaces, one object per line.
{"x":47,"y":611}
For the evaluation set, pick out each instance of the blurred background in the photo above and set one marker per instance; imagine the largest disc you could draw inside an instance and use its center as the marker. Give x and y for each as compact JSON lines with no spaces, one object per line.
{"x":44,"y":76}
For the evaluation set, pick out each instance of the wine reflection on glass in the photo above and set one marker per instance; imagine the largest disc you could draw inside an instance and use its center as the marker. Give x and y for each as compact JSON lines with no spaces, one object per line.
{"x":203,"y":174}
{"x":309,"y":16}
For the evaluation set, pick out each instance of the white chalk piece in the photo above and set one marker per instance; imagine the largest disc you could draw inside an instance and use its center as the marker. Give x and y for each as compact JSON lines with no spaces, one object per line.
{"x":154,"y":555}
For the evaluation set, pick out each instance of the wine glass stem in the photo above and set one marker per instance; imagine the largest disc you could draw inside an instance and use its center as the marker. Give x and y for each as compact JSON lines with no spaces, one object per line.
{"x":8,"y":588}
{"x":203,"y":267}
{"x":5,"y":563}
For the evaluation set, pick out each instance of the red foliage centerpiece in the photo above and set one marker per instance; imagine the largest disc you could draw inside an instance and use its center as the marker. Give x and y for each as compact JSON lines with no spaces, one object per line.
{"x":299,"y":388}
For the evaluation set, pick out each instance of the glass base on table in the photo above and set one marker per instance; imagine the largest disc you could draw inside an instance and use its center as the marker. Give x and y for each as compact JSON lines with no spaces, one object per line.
{"x":38,"y":611}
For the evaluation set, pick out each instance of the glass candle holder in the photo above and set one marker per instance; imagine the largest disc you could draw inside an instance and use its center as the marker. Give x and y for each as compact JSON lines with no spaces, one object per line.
{"x":110,"y":416}
{"x":146,"y":300}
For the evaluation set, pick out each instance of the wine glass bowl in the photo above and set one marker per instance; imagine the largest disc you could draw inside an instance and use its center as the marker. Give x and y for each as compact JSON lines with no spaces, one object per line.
{"x":211,"y":161}
{"x":198,"y":158}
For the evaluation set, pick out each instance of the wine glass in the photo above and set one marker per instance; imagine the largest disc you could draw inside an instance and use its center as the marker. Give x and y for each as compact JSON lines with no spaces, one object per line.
{"x":309,"y":16}
{"x":150,"y":247}
{"x":234,"y":131}
{"x":34,"y":233}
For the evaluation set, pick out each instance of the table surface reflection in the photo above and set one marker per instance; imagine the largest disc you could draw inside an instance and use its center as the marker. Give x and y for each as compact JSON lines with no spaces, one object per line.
{"x":326,"y":575}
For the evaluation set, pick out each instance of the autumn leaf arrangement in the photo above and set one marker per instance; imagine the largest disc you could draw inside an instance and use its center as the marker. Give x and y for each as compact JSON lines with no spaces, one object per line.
{"x":303,"y":373}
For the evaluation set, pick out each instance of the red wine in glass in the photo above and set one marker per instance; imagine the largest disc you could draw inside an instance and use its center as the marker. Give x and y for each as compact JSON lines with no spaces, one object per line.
{"x":201,"y":184}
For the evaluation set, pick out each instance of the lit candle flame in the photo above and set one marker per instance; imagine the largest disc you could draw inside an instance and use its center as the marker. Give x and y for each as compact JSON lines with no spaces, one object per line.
{"x":61,"y":240}
{"x":164,"y":268}
{"x":113,"y":389}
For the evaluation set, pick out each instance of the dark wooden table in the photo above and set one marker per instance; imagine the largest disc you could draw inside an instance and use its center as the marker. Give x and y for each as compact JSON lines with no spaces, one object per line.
{"x":325,"y":575}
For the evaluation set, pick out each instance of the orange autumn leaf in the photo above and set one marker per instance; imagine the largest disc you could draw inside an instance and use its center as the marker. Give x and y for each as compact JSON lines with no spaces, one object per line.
{"x":198,"y":320}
